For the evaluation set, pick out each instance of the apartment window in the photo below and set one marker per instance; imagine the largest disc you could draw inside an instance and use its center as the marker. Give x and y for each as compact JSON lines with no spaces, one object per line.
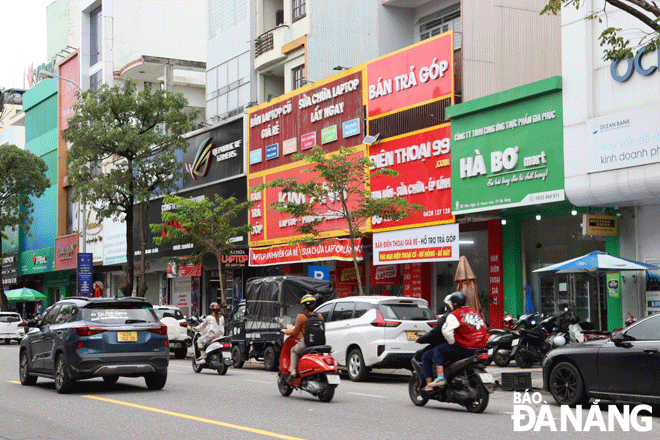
{"x":298,"y":76}
{"x":441,"y":24}
{"x":225,"y":14}
{"x":96,"y":80}
{"x":299,"y":9}
{"x":95,"y":40}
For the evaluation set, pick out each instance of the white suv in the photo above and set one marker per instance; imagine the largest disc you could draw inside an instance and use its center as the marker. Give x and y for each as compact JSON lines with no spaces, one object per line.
{"x":368,"y":332}
{"x":177,"y":329}
{"x":11,"y":327}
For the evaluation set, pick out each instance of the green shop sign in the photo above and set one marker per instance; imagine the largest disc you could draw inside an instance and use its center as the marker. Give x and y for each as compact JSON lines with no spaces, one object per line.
{"x":37,"y":261}
{"x":507,"y":149}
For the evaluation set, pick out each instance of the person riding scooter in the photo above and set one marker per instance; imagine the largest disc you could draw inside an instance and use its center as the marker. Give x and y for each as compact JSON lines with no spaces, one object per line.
{"x":465,"y":332}
{"x":433,"y":337}
{"x":298,"y":332}
{"x":212,"y":326}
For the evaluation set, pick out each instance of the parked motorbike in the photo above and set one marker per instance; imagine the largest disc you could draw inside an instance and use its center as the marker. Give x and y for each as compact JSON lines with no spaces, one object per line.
{"x":532,"y":344}
{"x":218,"y":354}
{"x":499,"y":344}
{"x":317,"y":371}
{"x":468,"y":384}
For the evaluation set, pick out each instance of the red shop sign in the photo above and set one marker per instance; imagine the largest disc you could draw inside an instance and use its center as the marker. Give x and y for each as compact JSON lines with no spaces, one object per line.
{"x":334,"y":249}
{"x":66,"y":249}
{"x":423,"y":161}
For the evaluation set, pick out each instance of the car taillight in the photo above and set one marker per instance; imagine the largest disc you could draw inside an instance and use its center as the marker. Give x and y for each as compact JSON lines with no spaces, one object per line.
{"x":183,"y":324}
{"x":159,"y":329}
{"x":21,"y":324}
{"x":380,"y":322}
{"x":89,"y":331}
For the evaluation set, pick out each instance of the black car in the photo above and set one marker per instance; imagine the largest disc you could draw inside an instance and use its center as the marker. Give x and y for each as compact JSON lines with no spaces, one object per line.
{"x":623,"y":367}
{"x":81,"y":338}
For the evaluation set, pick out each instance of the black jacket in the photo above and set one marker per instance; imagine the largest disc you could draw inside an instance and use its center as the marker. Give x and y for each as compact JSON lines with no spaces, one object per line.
{"x":434,"y":336}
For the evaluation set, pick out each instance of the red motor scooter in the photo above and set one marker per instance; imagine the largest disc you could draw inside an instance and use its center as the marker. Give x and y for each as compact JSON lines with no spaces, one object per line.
{"x":317,"y":371}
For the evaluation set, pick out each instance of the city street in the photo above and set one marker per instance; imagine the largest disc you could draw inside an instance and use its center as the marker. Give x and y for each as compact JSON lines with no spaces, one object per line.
{"x":245,"y":404}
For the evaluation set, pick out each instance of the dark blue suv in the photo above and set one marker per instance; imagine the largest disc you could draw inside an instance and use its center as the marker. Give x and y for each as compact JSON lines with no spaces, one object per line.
{"x":81,"y":338}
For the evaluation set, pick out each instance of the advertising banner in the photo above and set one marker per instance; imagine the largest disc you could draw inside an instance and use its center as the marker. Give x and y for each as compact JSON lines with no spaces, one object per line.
{"x":84,"y":274}
{"x":623,"y":140}
{"x":412,"y":280}
{"x":511,"y":154}
{"x":333,"y":249}
{"x":385,"y":275}
{"x":37,"y":261}
{"x":432,"y":243}
{"x":346,"y":278}
{"x":315,"y":115}
{"x":424,"y":166}
{"x":238,"y":259}
{"x":65,"y":252}
{"x":272,"y":227}
{"x":114,"y":242}
{"x":9,"y":268}
{"x":412,"y":76}
{"x":599,"y":225}
{"x":68,"y":92}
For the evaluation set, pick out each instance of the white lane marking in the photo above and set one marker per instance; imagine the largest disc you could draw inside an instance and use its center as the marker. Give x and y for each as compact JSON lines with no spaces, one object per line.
{"x":368,"y":395}
{"x":258,"y":381}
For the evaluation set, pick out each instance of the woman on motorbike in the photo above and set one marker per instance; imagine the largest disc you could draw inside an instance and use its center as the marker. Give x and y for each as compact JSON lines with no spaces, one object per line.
{"x":212,"y":326}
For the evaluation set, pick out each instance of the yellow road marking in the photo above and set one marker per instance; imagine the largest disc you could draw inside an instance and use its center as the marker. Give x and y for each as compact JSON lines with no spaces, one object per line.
{"x":197,"y":419}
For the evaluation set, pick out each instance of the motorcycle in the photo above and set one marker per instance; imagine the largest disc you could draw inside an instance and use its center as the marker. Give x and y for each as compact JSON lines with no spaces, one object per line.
{"x":531,"y":345}
{"x":499,"y":344}
{"x":218,"y":354}
{"x":468,"y":384}
{"x":317,"y":371}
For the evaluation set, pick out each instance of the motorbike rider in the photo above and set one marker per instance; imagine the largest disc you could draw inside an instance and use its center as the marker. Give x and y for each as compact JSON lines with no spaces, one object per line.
{"x":298,"y":332}
{"x":433,"y":337}
{"x":465,"y":332}
{"x":212,"y":326}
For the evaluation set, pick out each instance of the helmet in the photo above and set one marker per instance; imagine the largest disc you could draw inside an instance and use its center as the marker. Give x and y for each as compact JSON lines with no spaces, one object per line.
{"x":508,"y":318}
{"x":214,"y":306}
{"x":308,"y":300}
{"x":457,"y":298}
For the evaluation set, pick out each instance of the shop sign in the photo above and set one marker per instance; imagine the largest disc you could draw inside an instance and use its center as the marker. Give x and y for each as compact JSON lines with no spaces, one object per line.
{"x":350,"y":128}
{"x":333,"y":249}
{"x":508,"y":155}
{"x":424,"y":166}
{"x":68,"y":92}
{"x":308,"y":116}
{"x":415,"y":75}
{"x":37,"y":261}
{"x":114,"y":243}
{"x":272,"y":227}
{"x":214,"y":155}
{"x":431,"y":243}
{"x":634,"y":64}
{"x":289,"y":146}
{"x":385,"y":275}
{"x":272,"y":151}
{"x":238,"y":259}
{"x":176,"y":270}
{"x":346,"y":278}
{"x":9,"y":268}
{"x":623,"y":140}
{"x":319,"y":272}
{"x":84,"y":274}
{"x":599,"y":225}
{"x":412,"y":280}
{"x":65,"y":252}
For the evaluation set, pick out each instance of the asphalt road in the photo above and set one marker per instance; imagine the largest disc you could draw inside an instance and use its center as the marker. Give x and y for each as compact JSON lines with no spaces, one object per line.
{"x":245,"y":404}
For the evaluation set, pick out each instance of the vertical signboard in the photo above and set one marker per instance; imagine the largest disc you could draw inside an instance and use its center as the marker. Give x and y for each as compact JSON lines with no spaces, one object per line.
{"x":68,"y":91}
{"x":84,"y":274}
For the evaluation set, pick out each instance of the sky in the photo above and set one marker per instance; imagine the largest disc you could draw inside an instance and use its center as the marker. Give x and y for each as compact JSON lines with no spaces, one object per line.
{"x":22,"y":39}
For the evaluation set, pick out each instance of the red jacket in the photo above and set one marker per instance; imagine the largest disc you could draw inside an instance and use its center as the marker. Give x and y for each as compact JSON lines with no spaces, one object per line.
{"x":471,"y":331}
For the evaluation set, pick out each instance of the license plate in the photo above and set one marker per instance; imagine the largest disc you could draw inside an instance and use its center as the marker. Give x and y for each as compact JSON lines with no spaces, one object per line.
{"x":333,"y":379}
{"x":515,"y":342}
{"x":126,"y":336}
{"x":226,"y":354}
{"x":412,"y":336}
{"x":490,"y":351}
{"x":486,"y":378}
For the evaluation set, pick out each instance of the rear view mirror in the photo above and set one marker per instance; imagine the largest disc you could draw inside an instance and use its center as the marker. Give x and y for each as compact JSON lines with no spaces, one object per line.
{"x":617,"y":337}
{"x":31,"y":323}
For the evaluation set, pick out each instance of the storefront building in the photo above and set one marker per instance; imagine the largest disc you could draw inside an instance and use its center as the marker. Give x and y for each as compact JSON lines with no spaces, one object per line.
{"x":612,"y":146}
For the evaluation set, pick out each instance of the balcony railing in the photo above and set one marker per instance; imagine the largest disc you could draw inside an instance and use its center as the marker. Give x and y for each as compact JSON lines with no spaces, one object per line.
{"x":264,"y":43}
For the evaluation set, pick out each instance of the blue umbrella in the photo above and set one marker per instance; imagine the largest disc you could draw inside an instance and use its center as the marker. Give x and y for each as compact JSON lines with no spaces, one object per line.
{"x":597,"y":262}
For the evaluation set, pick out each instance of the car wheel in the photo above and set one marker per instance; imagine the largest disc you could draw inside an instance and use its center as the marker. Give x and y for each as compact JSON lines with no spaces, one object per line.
{"x":63,"y":382}
{"x":270,"y":359}
{"x":196,"y":367}
{"x":285,"y":388}
{"x":355,"y":367}
{"x":501,"y":359}
{"x":237,"y":357}
{"x":181,"y":353}
{"x":415,"y":386}
{"x":24,"y":372}
{"x":566,"y":385}
{"x":110,"y":379}
{"x":155,"y":381}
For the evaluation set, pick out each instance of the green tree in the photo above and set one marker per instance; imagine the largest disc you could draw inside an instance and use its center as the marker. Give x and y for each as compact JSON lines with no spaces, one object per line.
{"x":123,"y":149}
{"x":205,"y":223}
{"x":618,"y":46}
{"x":341,"y":191}
{"x":23,"y":178}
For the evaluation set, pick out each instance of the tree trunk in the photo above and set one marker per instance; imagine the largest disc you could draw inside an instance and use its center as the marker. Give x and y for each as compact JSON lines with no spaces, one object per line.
{"x":127,"y":289}
{"x":351,"y":233}
{"x":4,"y":302}
{"x":223,"y":300}
{"x":142,"y":288}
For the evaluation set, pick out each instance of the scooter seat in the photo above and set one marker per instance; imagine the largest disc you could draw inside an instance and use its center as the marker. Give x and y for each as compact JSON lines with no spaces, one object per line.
{"x":457,"y":365}
{"x":317,"y":349}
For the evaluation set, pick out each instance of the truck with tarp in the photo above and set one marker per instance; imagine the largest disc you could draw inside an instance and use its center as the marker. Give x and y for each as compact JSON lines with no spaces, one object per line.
{"x":269,"y":305}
